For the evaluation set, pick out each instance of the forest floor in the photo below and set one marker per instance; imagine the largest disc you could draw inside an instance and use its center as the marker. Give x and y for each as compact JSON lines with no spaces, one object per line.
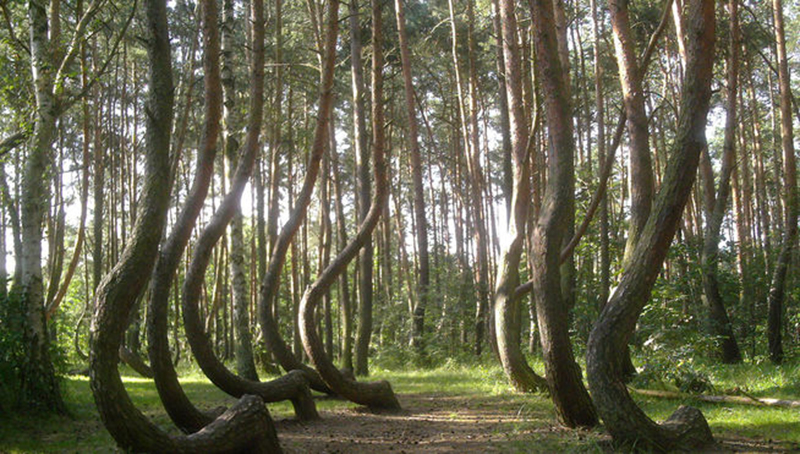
{"x":449,"y":409}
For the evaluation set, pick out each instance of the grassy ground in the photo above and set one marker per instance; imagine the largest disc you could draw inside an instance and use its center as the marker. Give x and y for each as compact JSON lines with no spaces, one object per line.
{"x":521,"y":419}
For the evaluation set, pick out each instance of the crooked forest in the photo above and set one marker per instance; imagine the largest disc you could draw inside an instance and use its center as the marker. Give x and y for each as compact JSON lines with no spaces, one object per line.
{"x":371,"y":226}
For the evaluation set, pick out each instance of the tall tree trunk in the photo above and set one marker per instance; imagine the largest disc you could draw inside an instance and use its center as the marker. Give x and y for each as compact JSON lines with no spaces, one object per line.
{"x":423,"y":283}
{"x":477,"y":183}
{"x":245,"y":365}
{"x":345,"y":302}
{"x":605,"y":254}
{"x":506,"y":304}
{"x":573,"y":405}
{"x":364,"y":330}
{"x":247,"y":426}
{"x":627,"y":423}
{"x":777,"y":287}
{"x":716,"y":207}
{"x":39,"y":386}
{"x":377,"y":395}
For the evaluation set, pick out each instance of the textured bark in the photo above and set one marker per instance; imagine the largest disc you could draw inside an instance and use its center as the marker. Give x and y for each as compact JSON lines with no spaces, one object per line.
{"x":626,"y":422}
{"x":506,"y":302}
{"x":247,"y":426}
{"x":292,"y":387}
{"x":423,"y":283}
{"x":605,"y":254}
{"x":572,"y":402}
{"x":243,"y":350}
{"x":477,"y":184}
{"x":39,"y":387}
{"x":271,"y":280}
{"x":182,"y":412}
{"x":777,"y":287}
{"x":631,"y":78}
{"x":345,"y":302}
{"x":364,"y":328}
{"x":717,"y":206}
{"x":377,"y":395}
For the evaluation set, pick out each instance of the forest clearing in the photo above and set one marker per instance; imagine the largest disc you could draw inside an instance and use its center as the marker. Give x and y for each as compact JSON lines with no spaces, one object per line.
{"x":399,"y":226}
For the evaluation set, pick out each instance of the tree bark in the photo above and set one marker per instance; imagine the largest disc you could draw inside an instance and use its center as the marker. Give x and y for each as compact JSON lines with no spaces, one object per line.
{"x":777,"y":287}
{"x":573,"y":405}
{"x":506,"y":303}
{"x":243,"y":352}
{"x":717,"y":206}
{"x":377,"y":395}
{"x":364,"y":328}
{"x":271,"y":280}
{"x":626,"y":422}
{"x":39,"y":387}
{"x":247,"y":426}
{"x":423,"y":283}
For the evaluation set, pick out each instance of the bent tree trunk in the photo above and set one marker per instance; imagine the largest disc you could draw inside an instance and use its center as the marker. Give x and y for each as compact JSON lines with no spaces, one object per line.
{"x":292,"y":387}
{"x":377,"y":395}
{"x":572,"y":402}
{"x":627,"y":423}
{"x":245,"y":427}
{"x":271,"y":281}
{"x":182,"y":412}
{"x":506,"y":301}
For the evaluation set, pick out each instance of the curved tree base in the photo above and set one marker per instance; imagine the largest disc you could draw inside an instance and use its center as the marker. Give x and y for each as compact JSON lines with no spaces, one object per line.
{"x":285,"y":357}
{"x":376,"y":395}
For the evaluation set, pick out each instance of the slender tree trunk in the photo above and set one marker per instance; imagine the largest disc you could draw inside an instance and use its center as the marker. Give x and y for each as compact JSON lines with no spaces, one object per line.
{"x":605,"y":254}
{"x":506,"y":304}
{"x":345,"y":302}
{"x":364,"y":330}
{"x":423,"y":283}
{"x":716,"y":207}
{"x":245,"y":365}
{"x":778,"y":285}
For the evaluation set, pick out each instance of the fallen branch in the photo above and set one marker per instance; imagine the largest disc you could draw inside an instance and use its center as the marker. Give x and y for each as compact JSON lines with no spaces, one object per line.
{"x":724,"y":399}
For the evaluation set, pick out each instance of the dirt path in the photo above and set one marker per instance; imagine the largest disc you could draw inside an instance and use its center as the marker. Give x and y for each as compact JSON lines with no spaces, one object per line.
{"x":432,"y":423}
{"x":429,"y":423}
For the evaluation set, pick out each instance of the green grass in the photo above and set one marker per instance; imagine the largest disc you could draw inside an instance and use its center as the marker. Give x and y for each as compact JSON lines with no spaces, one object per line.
{"x":480,"y":387}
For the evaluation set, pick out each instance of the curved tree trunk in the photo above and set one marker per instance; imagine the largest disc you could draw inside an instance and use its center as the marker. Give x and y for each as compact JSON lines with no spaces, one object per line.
{"x":377,"y":395}
{"x":506,"y":301}
{"x":572,"y":402}
{"x":293,"y":386}
{"x":626,"y":422}
{"x":245,"y":427}
{"x":271,"y":281}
